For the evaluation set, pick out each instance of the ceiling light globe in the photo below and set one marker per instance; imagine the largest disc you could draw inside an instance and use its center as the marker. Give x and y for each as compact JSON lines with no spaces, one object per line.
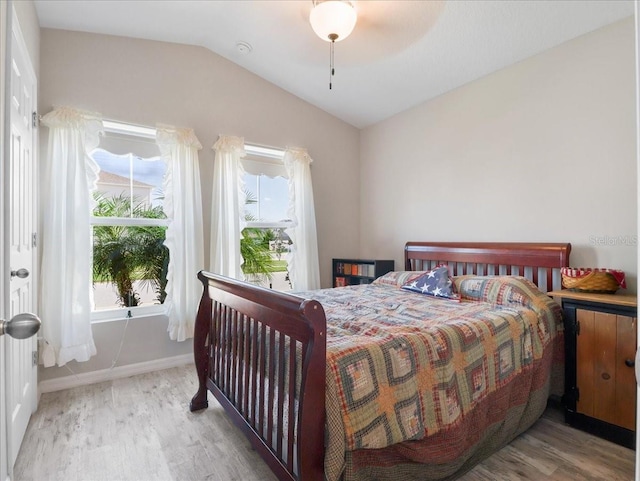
{"x":333,"y":18}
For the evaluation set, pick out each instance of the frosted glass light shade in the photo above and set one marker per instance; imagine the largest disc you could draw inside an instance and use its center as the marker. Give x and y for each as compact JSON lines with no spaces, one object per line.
{"x":333,"y":17}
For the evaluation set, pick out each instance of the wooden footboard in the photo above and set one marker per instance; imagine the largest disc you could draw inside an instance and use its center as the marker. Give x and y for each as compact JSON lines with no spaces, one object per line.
{"x":262,"y":354}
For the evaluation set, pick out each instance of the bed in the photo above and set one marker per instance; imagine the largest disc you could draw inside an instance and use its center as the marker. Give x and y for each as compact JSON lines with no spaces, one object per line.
{"x":317,"y":400}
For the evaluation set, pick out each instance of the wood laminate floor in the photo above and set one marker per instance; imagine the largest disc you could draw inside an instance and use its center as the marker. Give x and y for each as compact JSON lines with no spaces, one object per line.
{"x":140,"y":429}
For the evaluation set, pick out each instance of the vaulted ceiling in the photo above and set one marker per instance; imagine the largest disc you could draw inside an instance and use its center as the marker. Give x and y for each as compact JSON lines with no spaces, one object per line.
{"x":400,"y":54}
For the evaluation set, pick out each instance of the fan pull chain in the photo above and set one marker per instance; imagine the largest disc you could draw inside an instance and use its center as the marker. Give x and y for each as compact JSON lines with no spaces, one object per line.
{"x":332,"y":70}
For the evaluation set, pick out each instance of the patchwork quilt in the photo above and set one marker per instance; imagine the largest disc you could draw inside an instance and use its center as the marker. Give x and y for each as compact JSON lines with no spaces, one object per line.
{"x":402,"y":366}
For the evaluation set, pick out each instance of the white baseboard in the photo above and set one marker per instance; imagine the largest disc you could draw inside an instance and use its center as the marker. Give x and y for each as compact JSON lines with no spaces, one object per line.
{"x":118,"y":372}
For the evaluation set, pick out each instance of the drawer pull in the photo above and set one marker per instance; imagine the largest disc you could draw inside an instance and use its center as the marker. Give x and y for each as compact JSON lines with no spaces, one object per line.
{"x":629,"y":362}
{"x":606,"y":376}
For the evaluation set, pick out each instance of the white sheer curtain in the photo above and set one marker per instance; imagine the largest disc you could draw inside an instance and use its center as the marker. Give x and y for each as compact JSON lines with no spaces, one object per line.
{"x":184,"y":236}
{"x":70,"y":175}
{"x":227,"y":207}
{"x":304,"y":270}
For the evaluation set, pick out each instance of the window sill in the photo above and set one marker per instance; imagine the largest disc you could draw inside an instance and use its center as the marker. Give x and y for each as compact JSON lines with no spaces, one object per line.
{"x":123,"y":314}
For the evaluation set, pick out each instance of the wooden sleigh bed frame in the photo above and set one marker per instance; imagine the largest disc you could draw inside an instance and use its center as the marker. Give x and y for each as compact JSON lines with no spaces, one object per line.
{"x":246,"y":336}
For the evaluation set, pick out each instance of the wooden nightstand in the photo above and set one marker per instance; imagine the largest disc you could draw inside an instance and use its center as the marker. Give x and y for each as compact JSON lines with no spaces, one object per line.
{"x":600,"y":348}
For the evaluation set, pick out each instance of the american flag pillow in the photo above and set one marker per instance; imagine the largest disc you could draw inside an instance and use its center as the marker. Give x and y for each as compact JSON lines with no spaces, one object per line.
{"x":435,"y":282}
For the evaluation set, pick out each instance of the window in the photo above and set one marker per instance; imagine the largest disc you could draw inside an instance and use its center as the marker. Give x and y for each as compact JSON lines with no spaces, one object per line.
{"x":128,"y":224}
{"x":264,"y":243}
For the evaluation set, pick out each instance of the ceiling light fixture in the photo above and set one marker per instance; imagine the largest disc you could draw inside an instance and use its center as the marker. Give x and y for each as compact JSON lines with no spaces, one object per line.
{"x":332,"y":20}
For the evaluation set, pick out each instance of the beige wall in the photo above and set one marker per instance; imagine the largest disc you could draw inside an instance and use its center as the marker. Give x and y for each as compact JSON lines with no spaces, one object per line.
{"x":147,"y":82}
{"x":543,"y":150}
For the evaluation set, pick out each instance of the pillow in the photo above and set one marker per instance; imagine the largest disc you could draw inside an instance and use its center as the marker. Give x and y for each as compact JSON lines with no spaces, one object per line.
{"x":397,"y":278}
{"x":509,"y":291}
{"x":497,"y":290}
{"x":435,"y":282}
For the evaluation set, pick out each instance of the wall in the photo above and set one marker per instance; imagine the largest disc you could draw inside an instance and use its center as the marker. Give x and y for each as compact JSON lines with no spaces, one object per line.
{"x":543,"y":150}
{"x":147,"y":82}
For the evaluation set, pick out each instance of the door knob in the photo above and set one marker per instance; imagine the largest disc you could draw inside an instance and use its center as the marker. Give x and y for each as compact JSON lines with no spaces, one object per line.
{"x":20,"y":273}
{"x":21,"y":326}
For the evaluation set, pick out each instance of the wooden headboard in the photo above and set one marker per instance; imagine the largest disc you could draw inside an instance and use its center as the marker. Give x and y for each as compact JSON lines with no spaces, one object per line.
{"x":539,"y":262}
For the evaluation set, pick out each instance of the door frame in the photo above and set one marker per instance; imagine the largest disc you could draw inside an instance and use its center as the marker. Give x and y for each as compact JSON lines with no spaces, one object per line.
{"x":637,"y":72}
{"x":5,"y":36}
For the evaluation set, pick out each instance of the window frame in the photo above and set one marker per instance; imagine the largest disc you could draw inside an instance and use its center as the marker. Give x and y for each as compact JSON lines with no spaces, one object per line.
{"x":257,"y":154}
{"x":273,"y":158}
{"x":137,"y":133}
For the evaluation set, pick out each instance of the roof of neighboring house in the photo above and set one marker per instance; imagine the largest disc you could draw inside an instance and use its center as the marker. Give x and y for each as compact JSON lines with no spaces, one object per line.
{"x":115,"y":179}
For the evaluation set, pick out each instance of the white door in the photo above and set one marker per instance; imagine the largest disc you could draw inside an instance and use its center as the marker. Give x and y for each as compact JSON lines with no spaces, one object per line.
{"x":21,"y":371}
{"x":4,"y":26}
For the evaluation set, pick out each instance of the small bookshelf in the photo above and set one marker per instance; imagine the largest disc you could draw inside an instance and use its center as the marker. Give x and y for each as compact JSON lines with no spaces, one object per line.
{"x":349,"y":272}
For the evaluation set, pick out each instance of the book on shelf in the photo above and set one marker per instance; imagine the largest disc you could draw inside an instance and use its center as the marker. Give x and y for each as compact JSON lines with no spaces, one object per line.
{"x":354,"y":269}
{"x":340,"y":282}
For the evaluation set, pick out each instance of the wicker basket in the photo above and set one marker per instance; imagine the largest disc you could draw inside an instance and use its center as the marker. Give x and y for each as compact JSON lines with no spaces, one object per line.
{"x":591,"y":280}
